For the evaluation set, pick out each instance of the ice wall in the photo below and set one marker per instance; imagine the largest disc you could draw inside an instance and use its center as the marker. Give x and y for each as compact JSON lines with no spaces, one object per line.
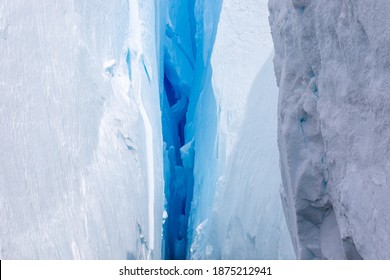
{"x":332,"y":65}
{"x":81,"y":166}
{"x":236,"y":210}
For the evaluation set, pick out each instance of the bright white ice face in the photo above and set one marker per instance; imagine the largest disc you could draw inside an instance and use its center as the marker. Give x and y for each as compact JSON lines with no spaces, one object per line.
{"x":74,"y":176}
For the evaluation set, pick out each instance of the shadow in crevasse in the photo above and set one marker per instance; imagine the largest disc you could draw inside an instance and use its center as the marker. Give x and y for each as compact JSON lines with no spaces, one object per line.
{"x":130,"y":256}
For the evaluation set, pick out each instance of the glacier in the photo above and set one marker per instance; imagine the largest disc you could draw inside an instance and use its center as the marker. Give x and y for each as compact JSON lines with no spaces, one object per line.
{"x":332,"y":68}
{"x":139,"y":130}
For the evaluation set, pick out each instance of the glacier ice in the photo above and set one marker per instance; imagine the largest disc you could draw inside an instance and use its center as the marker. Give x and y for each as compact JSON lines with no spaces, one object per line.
{"x":139,"y":130}
{"x":74,"y":179}
{"x":236,"y":208}
{"x":178,"y":71}
{"x":332,"y":67}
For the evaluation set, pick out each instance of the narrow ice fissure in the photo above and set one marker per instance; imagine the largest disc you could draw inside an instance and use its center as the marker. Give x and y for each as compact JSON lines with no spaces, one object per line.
{"x":179,"y":57}
{"x":186,"y":46}
{"x":178,"y":187}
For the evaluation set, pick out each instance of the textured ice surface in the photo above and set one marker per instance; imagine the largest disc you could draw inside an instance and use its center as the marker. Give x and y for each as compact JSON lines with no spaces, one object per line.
{"x":177,"y":71}
{"x":74,"y":179}
{"x":236,"y":211}
{"x":332,"y":63}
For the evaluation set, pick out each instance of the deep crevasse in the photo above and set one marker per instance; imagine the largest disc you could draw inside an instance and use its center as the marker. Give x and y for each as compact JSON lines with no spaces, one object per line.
{"x":190,"y":34}
{"x":89,"y":116}
{"x":230,"y":144}
{"x":179,"y":58}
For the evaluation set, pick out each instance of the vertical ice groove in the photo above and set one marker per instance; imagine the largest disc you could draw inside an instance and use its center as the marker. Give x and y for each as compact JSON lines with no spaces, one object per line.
{"x":150,"y":170}
{"x":136,"y":39}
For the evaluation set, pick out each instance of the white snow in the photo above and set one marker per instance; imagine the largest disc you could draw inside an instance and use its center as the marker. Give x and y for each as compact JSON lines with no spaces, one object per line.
{"x":332,"y":64}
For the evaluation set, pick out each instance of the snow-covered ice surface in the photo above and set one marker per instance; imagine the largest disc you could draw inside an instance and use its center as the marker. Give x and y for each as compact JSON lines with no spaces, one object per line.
{"x":237,"y":212}
{"x":332,"y":62}
{"x":75,"y":127}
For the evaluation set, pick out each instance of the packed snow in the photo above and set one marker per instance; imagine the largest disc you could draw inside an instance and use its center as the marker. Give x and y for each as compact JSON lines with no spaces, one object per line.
{"x":332,"y":63}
